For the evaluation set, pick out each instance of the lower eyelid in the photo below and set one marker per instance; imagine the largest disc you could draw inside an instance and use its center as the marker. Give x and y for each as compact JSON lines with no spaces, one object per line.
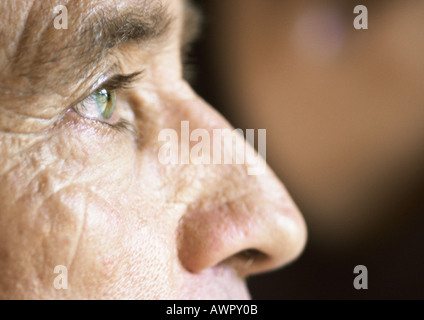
{"x":121,"y":125}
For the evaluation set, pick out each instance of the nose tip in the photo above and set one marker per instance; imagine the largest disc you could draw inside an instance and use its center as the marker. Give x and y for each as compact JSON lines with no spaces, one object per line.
{"x":257,"y":232}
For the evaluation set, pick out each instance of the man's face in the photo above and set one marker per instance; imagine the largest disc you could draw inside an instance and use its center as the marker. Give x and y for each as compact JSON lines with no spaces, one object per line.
{"x":81,"y":185}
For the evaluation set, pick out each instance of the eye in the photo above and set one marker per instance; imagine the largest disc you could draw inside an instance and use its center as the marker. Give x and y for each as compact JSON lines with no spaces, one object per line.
{"x":100,"y":105}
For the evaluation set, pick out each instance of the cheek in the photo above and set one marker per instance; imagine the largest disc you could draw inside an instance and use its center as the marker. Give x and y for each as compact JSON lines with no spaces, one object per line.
{"x":73,"y":154}
{"x":64,"y":202}
{"x":114,"y":254}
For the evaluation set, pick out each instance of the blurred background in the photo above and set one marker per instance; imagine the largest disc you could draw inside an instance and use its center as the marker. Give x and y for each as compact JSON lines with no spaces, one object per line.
{"x":344,"y":113}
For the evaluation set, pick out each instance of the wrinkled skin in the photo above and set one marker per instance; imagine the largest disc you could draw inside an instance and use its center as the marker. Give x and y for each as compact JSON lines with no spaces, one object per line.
{"x":78,"y":193}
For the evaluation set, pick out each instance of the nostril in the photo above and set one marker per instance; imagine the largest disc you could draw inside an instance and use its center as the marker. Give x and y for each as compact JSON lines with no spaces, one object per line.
{"x":250,"y":254}
{"x":247,"y":258}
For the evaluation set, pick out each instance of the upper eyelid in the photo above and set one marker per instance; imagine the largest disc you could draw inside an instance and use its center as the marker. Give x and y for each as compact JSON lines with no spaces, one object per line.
{"x":115,"y":82}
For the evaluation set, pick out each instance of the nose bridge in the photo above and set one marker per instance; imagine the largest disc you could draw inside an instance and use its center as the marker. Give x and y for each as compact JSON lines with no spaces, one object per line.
{"x":237,"y":213}
{"x":226,"y":145}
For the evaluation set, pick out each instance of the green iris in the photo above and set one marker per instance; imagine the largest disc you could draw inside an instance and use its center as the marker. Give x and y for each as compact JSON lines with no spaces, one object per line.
{"x":106,"y":103}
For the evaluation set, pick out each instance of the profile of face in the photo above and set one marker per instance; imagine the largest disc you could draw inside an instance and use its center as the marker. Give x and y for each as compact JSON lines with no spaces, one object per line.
{"x":81,"y":185}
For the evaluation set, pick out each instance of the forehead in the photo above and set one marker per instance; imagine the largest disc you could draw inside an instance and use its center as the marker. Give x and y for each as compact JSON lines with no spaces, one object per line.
{"x":32,"y":48}
{"x":35,"y":17}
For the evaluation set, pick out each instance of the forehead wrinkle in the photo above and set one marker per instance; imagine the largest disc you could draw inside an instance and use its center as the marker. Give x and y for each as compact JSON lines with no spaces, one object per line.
{"x":11,"y":25}
{"x":41,"y":53}
{"x":53,"y":57}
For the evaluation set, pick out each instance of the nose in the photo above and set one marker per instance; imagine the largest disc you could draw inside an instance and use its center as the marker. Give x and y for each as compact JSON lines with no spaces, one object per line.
{"x":246,"y":221}
{"x":259,"y":231}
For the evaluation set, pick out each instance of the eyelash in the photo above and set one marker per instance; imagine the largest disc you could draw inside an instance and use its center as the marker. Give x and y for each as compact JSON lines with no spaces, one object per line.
{"x":120,"y":81}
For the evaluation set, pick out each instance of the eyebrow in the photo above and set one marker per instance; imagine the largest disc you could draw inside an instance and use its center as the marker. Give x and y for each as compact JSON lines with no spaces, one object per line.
{"x":48,"y":58}
{"x":110,"y":28}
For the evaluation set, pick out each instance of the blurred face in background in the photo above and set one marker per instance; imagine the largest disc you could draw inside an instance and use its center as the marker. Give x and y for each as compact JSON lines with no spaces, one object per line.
{"x":344,"y":108}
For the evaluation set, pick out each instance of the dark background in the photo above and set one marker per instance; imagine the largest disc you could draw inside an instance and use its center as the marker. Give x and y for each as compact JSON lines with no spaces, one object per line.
{"x":393,"y":256}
